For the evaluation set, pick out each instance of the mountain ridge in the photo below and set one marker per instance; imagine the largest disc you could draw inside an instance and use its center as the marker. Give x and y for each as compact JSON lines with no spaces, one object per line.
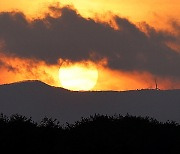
{"x":37,"y":99}
{"x":39,"y":83}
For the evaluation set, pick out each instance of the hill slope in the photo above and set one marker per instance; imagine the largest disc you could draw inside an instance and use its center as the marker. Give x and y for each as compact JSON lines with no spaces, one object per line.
{"x":36,"y":99}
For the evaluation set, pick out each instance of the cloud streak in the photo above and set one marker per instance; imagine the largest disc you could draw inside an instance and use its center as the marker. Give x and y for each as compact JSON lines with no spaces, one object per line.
{"x":70,"y":36}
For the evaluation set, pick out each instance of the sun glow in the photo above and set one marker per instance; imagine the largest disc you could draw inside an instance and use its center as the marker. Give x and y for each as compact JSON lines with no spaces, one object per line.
{"x":98,"y":76}
{"x":78,"y":76}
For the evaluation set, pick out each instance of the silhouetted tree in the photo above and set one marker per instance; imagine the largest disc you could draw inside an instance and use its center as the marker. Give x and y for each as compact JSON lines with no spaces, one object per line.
{"x":95,"y":134}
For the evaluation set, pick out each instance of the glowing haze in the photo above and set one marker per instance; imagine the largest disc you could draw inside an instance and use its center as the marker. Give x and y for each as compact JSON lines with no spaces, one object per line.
{"x":91,"y":44}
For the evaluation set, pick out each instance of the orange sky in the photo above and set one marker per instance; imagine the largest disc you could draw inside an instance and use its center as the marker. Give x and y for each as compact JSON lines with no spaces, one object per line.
{"x":157,"y":13}
{"x":19,"y":69}
{"x":154,"y":12}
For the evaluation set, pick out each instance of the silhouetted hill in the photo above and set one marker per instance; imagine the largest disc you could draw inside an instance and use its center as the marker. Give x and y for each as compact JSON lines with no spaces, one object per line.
{"x":94,"y":135}
{"x":30,"y":85}
{"x":36,"y":99}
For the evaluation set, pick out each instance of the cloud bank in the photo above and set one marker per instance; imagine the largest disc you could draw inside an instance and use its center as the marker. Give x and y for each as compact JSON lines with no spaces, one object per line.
{"x":70,"y":36}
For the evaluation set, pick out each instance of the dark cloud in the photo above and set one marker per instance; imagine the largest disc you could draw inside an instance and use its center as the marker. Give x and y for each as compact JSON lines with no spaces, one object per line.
{"x":176,"y":28}
{"x":73,"y":37}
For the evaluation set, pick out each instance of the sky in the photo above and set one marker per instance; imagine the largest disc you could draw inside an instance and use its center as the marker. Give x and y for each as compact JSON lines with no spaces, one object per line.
{"x":116,"y":45}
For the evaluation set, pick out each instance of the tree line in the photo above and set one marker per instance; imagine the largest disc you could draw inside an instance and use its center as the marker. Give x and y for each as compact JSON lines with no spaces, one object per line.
{"x":101,"y":134}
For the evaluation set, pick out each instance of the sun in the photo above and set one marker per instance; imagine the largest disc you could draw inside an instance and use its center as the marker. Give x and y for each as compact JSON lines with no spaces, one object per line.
{"x":78,"y":76}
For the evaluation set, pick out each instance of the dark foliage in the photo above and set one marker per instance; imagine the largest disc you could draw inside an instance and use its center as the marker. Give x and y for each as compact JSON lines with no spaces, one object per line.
{"x":97,"y":134}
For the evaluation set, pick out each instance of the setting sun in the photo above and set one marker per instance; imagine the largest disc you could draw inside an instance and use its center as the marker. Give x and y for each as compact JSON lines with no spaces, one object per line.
{"x":92,"y":45}
{"x":78,"y":76}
